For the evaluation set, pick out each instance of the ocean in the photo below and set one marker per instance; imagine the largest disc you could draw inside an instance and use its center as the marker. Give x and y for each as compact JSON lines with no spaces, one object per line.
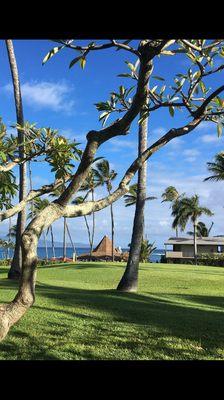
{"x":155,"y":257}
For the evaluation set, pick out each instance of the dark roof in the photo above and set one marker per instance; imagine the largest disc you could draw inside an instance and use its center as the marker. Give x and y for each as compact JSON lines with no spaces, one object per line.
{"x":103,"y":249}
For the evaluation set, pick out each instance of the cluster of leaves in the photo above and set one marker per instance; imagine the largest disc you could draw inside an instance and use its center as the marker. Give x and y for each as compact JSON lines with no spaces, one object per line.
{"x":118,"y":102}
{"x":8,"y":145}
{"x":146,"y":250}
{"x":189,"y":89}
{"x":58,"y":151}
{"x":61,"y":154}
{"x":8,"y":189}
{"x":81,"y":58}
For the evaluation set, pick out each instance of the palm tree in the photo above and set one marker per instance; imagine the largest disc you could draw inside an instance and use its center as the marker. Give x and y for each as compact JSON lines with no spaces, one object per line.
{"x":16,"y":265}
{"x":39,"y":205}
{"x":217,"y":168}
{"x":173,"y":196}
{"x":202,"y":230}
{"x":105,"y":176}
{"x":188,"y":208}
{"x":131,"y":198}
{"x":146,"y":250}
{"x":129,"y":280}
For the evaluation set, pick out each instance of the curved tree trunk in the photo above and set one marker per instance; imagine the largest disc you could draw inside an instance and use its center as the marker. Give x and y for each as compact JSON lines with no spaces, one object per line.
{"x":15,"y":270}
{"x":129,"y":281}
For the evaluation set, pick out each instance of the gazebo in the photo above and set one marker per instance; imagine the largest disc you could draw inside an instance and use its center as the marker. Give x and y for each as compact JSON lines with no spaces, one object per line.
{"x":103,"y":251}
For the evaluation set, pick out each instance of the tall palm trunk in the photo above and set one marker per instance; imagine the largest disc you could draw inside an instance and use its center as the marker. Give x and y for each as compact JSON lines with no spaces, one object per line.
{"x":88,"y":230}
{"x":9,"y":238}
{"x":112,"y":226}
{"x":176,"y":231}
{"x":52,"y":242}
{"x":64,"y":239}
{"x":93,"y":227}
{"x":129,"y":281}
{"x":195,"y":242}
{"x":70,"y":238}
{"x":16,"y":265}
{"x":46,"y":249}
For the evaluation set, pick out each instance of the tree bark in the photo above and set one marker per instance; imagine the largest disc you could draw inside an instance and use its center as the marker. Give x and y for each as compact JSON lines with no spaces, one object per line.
{"x":129,"y":281}
{"x":16,"y":265}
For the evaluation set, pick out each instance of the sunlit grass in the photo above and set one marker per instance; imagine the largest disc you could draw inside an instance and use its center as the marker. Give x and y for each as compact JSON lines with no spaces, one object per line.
{"x":178,"y":313}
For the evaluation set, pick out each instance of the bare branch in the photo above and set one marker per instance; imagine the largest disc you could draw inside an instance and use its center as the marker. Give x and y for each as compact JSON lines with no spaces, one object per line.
{"x":31,"y":195}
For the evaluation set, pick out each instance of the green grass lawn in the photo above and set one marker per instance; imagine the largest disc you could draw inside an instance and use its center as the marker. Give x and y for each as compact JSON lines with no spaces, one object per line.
{"x":178,"y":314}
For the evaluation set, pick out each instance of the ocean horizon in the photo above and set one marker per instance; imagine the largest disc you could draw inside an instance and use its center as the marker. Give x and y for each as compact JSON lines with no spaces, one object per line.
{"x":41,"y":252}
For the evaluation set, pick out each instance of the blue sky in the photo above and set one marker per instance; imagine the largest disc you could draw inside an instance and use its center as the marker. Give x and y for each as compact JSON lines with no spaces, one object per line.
{"x":64,"y":99}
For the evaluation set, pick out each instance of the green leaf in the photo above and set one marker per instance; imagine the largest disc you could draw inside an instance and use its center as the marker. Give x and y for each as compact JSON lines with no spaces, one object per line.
{"x":83,"y":62}
{"x":103,"y":115}
{"x":125,"y":75}
{"x":51,"y":53}
{"x":171,"y":111}
{"x":202,"y":86}
{"x":159,"y":78}
{"x":130,"y":65}
{"x":219,"y":129}
{"x":74,"y":61}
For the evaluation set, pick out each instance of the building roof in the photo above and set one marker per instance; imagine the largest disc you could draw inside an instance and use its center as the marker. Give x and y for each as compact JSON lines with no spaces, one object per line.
{"x":103,"y":249}
{"x":216,"y":241}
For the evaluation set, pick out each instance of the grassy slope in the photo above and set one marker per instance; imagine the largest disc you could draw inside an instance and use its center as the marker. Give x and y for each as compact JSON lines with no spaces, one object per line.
{"x":177,"y":314}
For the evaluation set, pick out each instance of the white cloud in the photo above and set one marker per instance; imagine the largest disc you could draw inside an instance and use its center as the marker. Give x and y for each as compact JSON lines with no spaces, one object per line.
{"x":121,"y":144}
{"x":209,"y":138}
{"x":191,"y":152}
{"x":43,"y":94}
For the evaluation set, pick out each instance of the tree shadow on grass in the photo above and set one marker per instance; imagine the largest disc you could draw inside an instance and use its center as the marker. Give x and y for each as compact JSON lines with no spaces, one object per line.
{"x":177,"y":318}
{"x":162,"y":320}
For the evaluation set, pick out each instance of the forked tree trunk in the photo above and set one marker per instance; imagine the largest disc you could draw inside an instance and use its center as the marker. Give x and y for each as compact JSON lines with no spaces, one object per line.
{"x":129,"y":281}
{"x":16,"y":265}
